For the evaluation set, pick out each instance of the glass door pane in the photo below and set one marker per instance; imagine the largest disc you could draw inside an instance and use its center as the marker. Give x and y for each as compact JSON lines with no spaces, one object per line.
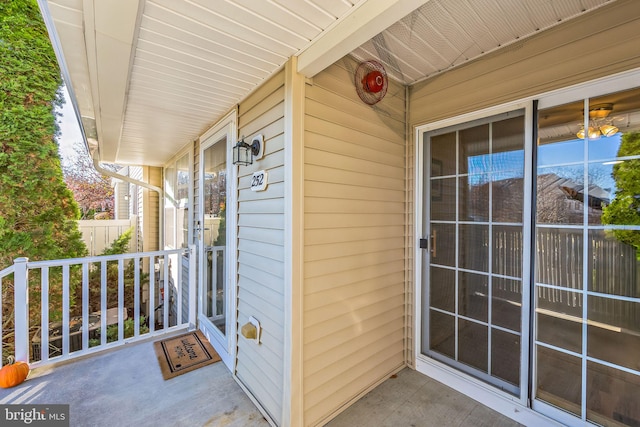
{"x":473,"y":289}
{"x":587,"y":291}
{"x":214,"y":164}
{"x":181,"y":197}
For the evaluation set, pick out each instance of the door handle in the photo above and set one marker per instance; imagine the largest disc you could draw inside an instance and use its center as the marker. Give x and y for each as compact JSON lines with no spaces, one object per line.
{"x":198,"y":226}
{"x":434,"y":236}
{"x":199,"y":229}
{"x":430,"y":242}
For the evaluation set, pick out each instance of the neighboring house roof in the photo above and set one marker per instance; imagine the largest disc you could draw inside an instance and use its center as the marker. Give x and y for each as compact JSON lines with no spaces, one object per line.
{"x":559,"y":199}
{"x":148,"y":76}
{"x":555,"y":194}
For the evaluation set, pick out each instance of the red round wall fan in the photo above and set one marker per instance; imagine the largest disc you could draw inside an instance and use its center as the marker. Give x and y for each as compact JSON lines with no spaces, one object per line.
{"x":371,"y":82}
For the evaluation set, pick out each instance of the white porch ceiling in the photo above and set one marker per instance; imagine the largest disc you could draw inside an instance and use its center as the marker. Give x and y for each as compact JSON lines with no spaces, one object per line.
{"x":443,"y":34}
{"x":149,"y":76}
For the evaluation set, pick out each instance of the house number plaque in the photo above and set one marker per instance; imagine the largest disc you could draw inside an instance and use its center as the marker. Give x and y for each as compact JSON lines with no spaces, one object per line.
{"x":259,"y":181}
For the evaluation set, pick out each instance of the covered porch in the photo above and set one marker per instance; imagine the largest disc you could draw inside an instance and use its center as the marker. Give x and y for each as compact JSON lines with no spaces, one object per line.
{"x":333,"y":255}
{"x":125,"y":387}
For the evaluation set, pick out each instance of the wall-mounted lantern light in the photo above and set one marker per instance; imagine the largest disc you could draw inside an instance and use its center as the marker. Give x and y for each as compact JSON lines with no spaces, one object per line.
{"x":243,"y":153}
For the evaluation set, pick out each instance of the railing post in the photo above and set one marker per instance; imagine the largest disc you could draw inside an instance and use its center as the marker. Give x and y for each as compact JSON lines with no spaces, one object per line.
{"x":192,"y":286}
{"x":21,"y":309}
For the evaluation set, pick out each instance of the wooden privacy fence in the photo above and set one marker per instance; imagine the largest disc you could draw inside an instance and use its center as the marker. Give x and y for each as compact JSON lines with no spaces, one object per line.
{"x":98,"y":234}
{"x":611,"y":268}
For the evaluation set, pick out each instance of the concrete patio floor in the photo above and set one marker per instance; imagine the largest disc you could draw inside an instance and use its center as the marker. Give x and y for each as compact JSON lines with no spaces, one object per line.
{"x":124,"y":387}
{"x":410,"y":399}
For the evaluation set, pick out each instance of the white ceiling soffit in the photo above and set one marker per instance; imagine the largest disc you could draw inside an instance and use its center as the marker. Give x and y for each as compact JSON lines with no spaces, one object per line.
{"x":96,"y":39}
{"x":155,"y":74}
{"x":443,"y":34}
{"x":360,"y":25}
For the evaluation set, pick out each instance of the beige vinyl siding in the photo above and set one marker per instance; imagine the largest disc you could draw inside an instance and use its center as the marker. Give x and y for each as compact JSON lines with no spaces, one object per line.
{"x":597,"y":44}
{"x":151,"y":204}
{"x":137,"y":207}
{"x":354,"y":241}
{"x":121,"y":189}
{"x":261,"y":249}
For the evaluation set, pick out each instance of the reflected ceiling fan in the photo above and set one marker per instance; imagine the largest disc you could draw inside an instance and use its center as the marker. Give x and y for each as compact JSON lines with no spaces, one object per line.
{"x":371,"y":82}
{"x":600,"y":123}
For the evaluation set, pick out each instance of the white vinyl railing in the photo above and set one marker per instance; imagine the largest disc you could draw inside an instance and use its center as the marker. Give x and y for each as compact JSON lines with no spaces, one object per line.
{"x":61,"y":309}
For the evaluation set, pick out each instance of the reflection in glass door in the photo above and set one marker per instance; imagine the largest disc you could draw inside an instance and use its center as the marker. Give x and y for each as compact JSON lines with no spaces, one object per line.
{"x":587,"y":276}
{"x":213,"y":234}
{"x":472,"y":292}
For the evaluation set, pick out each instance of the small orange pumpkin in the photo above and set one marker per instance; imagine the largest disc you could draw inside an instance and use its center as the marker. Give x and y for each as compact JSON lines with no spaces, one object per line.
{"x":13,"y":373}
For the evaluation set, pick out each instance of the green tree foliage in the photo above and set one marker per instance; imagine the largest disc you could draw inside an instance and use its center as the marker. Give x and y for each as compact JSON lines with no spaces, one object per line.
{"x":118,"y":246}
{"x":624,"y":209}
{"x":37,"y":211}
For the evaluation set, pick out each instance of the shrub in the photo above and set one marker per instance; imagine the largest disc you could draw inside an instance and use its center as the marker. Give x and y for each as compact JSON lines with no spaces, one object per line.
{"x":112,"y":331}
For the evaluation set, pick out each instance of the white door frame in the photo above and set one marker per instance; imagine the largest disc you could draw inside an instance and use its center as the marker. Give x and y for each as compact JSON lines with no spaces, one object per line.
{"x":224,"y":345}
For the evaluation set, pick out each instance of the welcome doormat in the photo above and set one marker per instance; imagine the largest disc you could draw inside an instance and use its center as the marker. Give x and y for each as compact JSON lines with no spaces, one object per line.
{"x":184,"y":353}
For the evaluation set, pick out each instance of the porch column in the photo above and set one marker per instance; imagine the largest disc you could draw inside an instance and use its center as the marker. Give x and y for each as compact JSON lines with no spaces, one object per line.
{"x":193,"y":288}
{"x":21,"y":309}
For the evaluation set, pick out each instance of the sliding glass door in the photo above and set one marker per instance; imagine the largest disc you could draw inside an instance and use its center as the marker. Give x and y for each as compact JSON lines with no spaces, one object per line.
{"x":531,"y":255}
{"x":587,"y":275}
{"x":472,"y":293}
